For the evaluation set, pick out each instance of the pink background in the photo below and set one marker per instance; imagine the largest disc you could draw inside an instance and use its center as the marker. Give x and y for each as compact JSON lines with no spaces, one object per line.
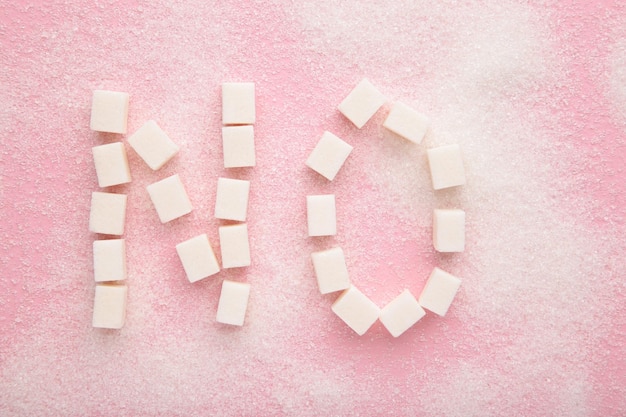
{"x":534,"y":92}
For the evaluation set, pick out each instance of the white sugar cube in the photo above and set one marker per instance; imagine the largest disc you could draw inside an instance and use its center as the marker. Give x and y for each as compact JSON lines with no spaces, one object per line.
{"x":231,"y":201}
{"x":449,"y":230}
{"x":234,"y":246}
{"x":153,"y":145}
{"x":238,"y":144}
{"x":331,"y":270}
{"x":109,"y":260}
{"x":169,"y":198}
{"x":439,"y":291}
{"x":321,"y":216}
{"x":111,"y":164}
{"x":401,"y":313}
{"x":406,"y":122}
{"x":328,"y":155}
{"x":362,"y":103}
{"x":109,"y":111}
{"x":233,"y":303}
{"x":109,"y":307}
{"x":446,"y":166}
{"x":198,"y":258}
{"x":108,"y":213}
{"x":356,"y":310}
{"x":238,"y":106}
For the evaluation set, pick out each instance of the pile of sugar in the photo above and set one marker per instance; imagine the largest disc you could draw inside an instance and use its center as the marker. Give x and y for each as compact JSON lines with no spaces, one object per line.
{"x":537,"y":327}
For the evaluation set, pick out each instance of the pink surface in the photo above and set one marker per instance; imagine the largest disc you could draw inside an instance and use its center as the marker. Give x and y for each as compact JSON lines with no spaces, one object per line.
{"x":534,"y":94}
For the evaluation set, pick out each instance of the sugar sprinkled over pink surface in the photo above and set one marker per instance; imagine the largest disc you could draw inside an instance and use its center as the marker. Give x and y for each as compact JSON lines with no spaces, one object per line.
{"x":541,"y":307}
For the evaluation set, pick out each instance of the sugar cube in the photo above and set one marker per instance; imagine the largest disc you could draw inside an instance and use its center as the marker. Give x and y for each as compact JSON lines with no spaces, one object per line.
{"x":234,"y":245}
{"x":231,"y":201}
{"x":108,"y":213}
{"x":446,"y":166}
{"x":109,"y":307}
{"x":439,"y":291}
{"x":109,"y":111}
{"x":331,"y":270}
{"x":449,"y":230}
{"x":406,"y":122}
{"x":321,"y":216}
{"x":401,"y":313}
{"x":328,"y":155}
{"x":238,"y":144}
{"x":111,"y":164}
{"x":198,"y":258}
{"x":153,"y":145}
{"x":238,"y":104}
{"x":169,"y":198}
{"x":362,"y":103}
{"x":233,"y":303}
{"x":109,"y":260}
{"x":356,"y":310}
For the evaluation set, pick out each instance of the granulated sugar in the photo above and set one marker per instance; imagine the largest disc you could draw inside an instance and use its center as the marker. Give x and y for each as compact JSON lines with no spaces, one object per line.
{"x":535,"y":104}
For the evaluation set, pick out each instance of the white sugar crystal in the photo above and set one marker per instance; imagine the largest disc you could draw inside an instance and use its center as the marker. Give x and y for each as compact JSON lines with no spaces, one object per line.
{"x":231,"y":201}
{"x":153,"y":145}
{"x":362,"y":103}
{"x":233,"y":303}
{"x":238,"y":104}
{"x":446,"y":166}
{"x":109,"y":260}
{"x":238,"y":143}
{"x":111,"y":164}
{"x":329,"y":155}
{"x":109,"y":307}
{"x":401,"y":313}
{"x":109,"y":111}
{"x":449,"y":230}
{"x":234,"y":246}
{"x":169,"y":198}
{"x":321,"y":215}
{"x":108,"y":213}
{"x":356,"y":310}
{"x":331,"y":270}
{"x":407,"y":123}
{"x":198,"y":258}
{"x":439,"y":291}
